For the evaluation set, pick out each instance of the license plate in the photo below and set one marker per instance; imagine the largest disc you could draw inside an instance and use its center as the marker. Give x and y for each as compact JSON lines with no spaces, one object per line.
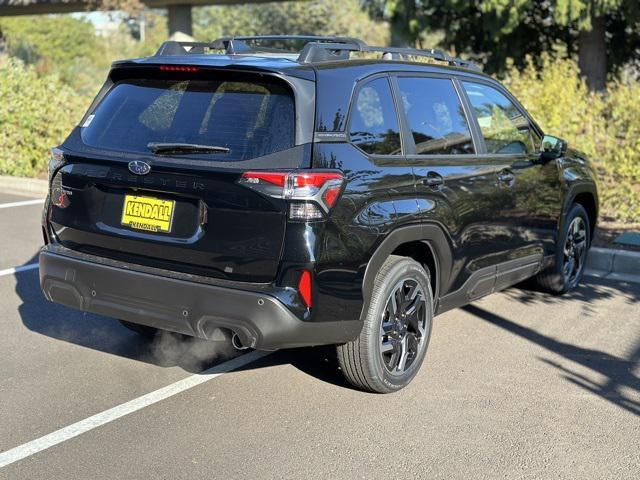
{"x":147,"y":213}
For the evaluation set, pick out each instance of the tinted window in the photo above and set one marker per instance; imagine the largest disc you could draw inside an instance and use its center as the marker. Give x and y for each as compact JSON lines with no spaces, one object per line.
{"x":504,"y":127}
{"x":251,"y":119}
{"x":374,"y":124}
{"x":435,"y":116}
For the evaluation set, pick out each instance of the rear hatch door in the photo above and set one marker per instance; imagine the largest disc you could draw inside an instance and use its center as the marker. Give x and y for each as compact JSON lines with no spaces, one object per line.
{"x":151,"y":176}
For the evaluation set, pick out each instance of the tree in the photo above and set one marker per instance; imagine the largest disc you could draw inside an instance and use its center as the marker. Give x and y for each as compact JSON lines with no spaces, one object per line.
{"x":590,"y":19}
{"x":604,"y":34}
{"x":60,"y":44}
{"x":316,"y":17}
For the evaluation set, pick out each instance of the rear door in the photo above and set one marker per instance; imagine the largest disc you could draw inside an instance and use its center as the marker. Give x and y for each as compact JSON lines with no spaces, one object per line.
{"x":374,"y":128}
{"x":179,"y":208}
{"x":510,"y":138}
{"x":456,"y":184}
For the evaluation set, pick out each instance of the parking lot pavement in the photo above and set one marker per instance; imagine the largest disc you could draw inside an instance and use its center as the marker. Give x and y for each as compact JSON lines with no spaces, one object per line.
{"x":517,"y":385}
{"x":20,"y":236}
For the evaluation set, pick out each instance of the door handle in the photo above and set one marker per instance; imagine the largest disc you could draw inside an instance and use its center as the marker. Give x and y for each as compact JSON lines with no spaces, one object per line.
{"x":433,"y":180}
{"x":507,"y":177}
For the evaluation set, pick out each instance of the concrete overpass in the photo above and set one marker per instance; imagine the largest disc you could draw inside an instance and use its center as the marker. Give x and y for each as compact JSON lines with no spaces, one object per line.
{"x":179,"y":11}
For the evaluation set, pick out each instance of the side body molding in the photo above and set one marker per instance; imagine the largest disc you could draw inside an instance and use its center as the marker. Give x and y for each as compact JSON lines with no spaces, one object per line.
{"x":432,"y":236}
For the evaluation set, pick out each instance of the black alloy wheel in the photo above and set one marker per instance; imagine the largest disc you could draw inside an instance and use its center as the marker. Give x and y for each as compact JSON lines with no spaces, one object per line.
{"x":574,"y":252}
{"x":403,"y":326}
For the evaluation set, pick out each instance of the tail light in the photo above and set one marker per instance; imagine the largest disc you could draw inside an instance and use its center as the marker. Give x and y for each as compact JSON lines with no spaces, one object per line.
{"x":313,"y":193}
{"x":55,"y":160}
{"x":304,"y":288}
{"x":57,"y":195}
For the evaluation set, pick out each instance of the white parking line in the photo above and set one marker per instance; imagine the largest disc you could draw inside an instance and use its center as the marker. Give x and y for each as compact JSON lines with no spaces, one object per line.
{"x":22,"y":268}
{"x":102,"y":418}
{"x":21,"y":203}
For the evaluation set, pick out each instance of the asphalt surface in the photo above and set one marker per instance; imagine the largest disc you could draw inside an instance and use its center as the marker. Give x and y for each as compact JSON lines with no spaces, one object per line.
{"x":518,"y":385}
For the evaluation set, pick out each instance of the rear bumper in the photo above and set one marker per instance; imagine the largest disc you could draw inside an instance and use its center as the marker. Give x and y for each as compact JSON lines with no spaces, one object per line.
{"x":187,"y":307}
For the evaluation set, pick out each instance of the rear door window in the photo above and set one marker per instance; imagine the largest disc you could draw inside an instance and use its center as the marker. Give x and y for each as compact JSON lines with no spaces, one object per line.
{"x":504,"y":127}
{"x":251,"y":119}
{"x":374,"y":122}
{"x":435,"y":116}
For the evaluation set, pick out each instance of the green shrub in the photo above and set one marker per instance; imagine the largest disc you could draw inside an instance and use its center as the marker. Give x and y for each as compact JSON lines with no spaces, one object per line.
{"x":605,"y":127}
{"x":620,"y":152}
{"x":60,"y":44}
{"x":69,"y":47}
{"x":37,"y":112}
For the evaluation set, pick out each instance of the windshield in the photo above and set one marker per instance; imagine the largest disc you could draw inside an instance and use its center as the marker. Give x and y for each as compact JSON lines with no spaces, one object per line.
{"x":250,"y":119}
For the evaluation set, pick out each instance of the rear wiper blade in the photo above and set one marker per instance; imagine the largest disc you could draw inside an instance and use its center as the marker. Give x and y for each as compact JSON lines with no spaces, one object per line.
{"x":178,"y":148}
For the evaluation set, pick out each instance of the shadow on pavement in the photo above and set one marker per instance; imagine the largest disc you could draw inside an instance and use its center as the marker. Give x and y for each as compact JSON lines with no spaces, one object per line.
{"x":618,"y":371}
{"x":195,"y":355}
{"x":165,"y":349}
{"x":108,"y":335}
{"x":590,"y":288}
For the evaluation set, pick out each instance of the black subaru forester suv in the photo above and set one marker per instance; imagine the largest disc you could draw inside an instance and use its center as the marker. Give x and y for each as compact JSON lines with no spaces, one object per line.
{"x":340,"y":194}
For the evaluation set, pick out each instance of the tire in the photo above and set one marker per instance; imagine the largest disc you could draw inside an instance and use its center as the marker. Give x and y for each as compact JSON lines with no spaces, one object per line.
{"x":555,"y":279}
{"x":143,"y":330}
{"x":362,"y":361}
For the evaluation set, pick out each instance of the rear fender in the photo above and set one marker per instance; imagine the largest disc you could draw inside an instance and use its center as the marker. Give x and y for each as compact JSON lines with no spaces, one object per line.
{"x":432,"y":236}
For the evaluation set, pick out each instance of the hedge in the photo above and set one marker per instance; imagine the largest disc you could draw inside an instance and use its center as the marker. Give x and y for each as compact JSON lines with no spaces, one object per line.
{"x":36,"y":113}
{"x":604,"y":126}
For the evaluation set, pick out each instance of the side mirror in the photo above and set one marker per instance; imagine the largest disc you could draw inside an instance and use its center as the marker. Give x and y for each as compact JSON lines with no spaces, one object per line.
{"x":552,"y":148}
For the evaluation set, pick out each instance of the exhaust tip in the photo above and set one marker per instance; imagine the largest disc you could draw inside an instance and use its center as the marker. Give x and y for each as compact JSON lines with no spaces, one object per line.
{"x":236,"y":342}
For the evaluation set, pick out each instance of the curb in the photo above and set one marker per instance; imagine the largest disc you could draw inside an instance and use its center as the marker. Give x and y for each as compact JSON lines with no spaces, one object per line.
{"x":613,"y":264}
{"x":31,"y":187}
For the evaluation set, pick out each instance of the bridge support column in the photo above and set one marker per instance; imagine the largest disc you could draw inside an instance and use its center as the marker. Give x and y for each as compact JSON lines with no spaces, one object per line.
{"x":179,"y":19}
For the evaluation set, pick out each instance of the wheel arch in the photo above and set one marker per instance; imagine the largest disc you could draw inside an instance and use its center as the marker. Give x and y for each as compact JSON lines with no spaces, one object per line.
{"x":427,"y":244}
{"x":587,"y":196}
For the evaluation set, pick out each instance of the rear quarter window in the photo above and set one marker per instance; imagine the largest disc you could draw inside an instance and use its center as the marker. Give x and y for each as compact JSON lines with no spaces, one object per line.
{"x":251,"y":119}
{"x":374,"y":124}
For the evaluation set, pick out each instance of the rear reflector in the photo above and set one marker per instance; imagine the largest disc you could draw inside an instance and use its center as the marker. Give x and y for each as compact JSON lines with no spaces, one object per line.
{"x":304,"y":288}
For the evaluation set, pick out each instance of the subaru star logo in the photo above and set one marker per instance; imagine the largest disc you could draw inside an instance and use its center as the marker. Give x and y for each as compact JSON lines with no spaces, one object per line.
{"x":138,"y":167}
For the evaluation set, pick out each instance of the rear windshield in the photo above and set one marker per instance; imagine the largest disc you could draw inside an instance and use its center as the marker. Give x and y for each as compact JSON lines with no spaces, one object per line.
{"x":251,"y":119}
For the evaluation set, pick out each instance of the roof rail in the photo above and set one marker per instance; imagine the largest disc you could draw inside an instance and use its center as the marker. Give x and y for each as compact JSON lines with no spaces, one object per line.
{"x":322,"y":52}
{"x":251,"y":43}
{"x":248,"y":44}
{"x":316,"y":48}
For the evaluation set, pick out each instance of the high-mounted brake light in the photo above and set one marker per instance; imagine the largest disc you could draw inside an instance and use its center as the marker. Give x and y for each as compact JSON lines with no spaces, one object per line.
{"x":179,"y":68}
{"x":313,"y":192}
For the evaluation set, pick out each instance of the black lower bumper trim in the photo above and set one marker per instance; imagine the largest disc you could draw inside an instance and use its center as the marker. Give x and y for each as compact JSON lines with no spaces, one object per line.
{"x":196,"y":309}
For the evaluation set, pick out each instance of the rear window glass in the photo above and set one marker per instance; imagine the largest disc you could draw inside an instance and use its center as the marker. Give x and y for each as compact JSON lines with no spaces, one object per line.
{"x":251,"y":119}
{"x":435,"y":116}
